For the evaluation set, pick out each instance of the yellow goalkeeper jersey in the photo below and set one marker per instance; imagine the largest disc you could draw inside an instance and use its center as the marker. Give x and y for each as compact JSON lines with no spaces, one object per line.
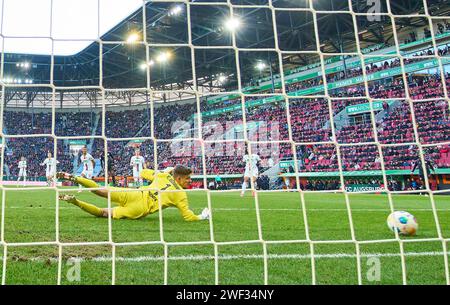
{"x":164,"y":182}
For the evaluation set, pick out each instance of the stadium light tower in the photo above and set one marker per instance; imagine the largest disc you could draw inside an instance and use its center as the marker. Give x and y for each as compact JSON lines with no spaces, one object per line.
{"x":232,"y":24}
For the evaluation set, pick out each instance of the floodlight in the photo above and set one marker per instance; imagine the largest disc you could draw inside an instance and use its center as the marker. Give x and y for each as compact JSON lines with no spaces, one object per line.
{"x":232,"y":24}
{"x":163,"y":57}
{"x":222,"y":78}
{"x":176,"y":10}
{"x":132,"y":38}
{"x":260,"y":66}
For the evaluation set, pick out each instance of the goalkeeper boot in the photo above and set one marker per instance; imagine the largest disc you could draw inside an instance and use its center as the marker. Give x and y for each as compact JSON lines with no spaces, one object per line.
{"x":68,"y":198}
{"x":65,"y":176}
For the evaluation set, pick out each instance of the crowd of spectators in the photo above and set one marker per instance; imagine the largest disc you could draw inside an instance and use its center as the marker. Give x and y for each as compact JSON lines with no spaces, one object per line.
{"x":35,"y":149}
{"x":309,"y":123}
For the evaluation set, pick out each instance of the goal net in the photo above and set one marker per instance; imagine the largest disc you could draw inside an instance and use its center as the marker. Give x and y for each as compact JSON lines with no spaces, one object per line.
{"x":345,"y":103}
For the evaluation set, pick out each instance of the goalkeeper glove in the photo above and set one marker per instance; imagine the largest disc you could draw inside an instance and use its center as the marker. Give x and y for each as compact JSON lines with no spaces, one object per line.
{"x":205,"y":214}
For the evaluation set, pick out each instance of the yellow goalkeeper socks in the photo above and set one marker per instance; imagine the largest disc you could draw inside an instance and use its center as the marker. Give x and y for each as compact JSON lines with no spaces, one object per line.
{"x":90,"y":208}
{"x":86,"y":182}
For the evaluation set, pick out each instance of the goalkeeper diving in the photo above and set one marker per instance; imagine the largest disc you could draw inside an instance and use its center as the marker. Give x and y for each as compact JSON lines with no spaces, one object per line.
{"x":144,"y":201}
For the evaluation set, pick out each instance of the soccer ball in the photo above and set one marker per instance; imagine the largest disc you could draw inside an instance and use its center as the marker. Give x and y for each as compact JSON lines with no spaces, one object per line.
{"x":402,"y":222}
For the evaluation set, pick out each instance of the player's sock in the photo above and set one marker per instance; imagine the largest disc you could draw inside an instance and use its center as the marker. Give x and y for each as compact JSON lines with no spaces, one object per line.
{"x":90,"y":208}
{"x":244,"y":187}
{"x":86,"y":182}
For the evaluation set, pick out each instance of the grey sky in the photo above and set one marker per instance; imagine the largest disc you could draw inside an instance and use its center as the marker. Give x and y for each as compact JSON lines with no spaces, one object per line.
{"x":66,"y":19}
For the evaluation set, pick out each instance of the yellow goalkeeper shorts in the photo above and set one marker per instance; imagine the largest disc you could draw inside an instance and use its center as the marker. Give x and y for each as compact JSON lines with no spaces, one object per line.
{"x":132,"y":205}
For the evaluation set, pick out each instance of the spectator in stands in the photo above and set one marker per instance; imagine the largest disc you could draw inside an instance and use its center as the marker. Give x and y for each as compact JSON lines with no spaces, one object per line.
{"x":441,"y":28}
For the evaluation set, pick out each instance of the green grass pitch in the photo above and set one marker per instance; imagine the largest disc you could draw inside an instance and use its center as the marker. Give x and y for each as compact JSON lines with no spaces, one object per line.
{"x":30,"y":216}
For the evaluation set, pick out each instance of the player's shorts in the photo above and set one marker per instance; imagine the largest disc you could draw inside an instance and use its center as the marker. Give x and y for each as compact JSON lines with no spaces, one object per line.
{"x":87,"y":174}
{"x":51,"y":173}
{"x":22,"y":173}
{"x":251,"y":173}
{"x":132,"y":205}
{"x":136,"y":174}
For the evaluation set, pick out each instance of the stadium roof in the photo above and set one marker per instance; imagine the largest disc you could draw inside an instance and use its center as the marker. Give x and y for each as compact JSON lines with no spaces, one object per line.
{"x":170,"y":58}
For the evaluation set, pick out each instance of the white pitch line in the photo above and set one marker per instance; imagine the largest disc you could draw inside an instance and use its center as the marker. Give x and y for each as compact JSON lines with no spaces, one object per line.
{"x":343,"y":210}
{"x":236,"y":257}
{"x":250,"y":209}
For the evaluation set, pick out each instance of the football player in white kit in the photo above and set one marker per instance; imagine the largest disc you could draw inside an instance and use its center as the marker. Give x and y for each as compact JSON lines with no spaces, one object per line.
{"x":88,"y":163}
{"x":50,"y":170}
{"x":251,"y":170}
{"x":137,"y":162}
{"x":22,"y":170}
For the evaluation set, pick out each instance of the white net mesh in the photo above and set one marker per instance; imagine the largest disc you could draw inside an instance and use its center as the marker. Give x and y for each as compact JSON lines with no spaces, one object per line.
{"x":354,"y":83}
